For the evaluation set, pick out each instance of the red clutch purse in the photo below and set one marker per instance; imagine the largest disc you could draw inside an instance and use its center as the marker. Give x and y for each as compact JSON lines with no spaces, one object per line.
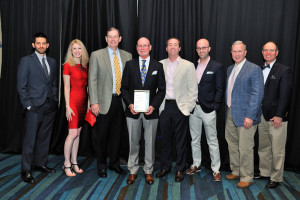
{"x":90,"y":118}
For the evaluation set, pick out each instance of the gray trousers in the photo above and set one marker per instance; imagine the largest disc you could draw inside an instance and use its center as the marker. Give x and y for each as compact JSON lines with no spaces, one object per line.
{"x":209,"y":121}
{"x":271,"y":149}
{"x":134,"y":130}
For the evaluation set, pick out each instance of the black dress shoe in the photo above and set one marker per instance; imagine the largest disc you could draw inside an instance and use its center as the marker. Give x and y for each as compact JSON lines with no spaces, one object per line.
{"x":162,"y":173}
{"x":43,"y":169}
{"x":179,"y":176}
{"x":119,"y":170}
{"x":261,"y":177}
{"x":272,"y":184}
{"x":102,"y":173}
{"x":27,"y":177}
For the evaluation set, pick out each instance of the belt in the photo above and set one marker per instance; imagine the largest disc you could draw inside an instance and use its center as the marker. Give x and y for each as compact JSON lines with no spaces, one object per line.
{"x":115,"y":95}
{"x":197,"y":103}
{"x":171,"y":100}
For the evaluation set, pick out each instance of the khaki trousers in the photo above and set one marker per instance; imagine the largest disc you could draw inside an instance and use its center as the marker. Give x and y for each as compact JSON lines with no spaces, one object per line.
{"x":271,"y":149}
{"x":240,"y":145}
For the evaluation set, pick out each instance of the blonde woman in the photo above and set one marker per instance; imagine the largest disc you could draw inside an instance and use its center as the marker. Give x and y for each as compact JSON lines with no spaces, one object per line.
{"x":75,"y":90}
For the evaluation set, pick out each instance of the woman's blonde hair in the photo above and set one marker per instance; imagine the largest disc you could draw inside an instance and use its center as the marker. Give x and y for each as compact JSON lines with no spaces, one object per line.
{"x":84,"y":54}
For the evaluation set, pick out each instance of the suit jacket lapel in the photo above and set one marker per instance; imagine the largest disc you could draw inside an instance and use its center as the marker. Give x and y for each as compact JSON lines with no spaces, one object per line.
{"x":149,"y":72}
{"x":137,"y":70}
{"x":273,"y":70}
{"x":207,"y":68}
{"x":38,"y":63}
{"x":107,"y":62}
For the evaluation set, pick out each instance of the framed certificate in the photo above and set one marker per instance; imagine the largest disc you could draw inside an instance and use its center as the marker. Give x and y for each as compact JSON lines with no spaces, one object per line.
{"x":141,"y":100}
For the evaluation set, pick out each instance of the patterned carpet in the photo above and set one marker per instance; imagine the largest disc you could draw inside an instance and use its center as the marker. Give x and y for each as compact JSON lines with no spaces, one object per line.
{"x":89,"y":186}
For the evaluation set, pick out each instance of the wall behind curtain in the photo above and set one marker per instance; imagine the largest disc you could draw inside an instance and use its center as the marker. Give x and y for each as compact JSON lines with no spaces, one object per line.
{"x":221,"y":22}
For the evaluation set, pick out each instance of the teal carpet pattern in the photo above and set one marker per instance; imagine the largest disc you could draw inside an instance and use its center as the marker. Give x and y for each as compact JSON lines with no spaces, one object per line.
{"x":89,"y":186}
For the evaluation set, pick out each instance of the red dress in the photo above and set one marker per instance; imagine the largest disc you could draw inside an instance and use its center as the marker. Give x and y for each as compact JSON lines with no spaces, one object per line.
{"x":78,"y":93}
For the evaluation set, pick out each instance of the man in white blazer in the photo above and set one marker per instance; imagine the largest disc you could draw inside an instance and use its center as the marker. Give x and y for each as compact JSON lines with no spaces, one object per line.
{"x":180,"y":100}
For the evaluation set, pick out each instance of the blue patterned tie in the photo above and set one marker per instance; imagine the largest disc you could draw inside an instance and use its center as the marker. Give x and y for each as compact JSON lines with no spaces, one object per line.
{"x":143,"y":72}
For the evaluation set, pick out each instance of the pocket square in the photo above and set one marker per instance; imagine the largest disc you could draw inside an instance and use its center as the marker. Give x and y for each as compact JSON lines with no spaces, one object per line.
{"x":154,"y":72}
{"x":273,"y":77}
{"x":209,"y":72}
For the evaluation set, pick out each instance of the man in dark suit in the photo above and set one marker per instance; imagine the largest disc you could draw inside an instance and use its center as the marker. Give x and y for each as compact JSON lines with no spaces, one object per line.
{"x":211,"y":83}
{"x":37,"y":88}
{"x":272,"y":130}
{"x":142,"y":73}
{"x":244,"y":94}
{"x":105,"y":74}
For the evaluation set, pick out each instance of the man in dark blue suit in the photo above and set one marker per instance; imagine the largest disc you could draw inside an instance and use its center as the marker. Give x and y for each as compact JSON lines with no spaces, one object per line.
{"x":37,"y":88}
{"x":244,"y":94}
{"x":211,"y":84}
{"x":272,"y":130}
{"x":142,"y":73}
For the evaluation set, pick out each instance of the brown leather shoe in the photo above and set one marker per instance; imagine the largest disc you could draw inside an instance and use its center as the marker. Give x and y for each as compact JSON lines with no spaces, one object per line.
{"x":231,"y":177}
{"x":149,"y":179}
{"x":131,"y":178}
{"x":217,"y":176}
{"x":162,"y":173}
{"x":243,"y":185}
{"x":179,"y":176}
{"x":193,"y":169}
{"x":272,"y":184}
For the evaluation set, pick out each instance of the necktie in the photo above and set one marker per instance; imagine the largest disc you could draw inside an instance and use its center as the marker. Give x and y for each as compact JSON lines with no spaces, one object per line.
{"x":117,"y":74}
{"x":230,"y":86}
{"x":45,"y":68}
{"x":143,"y":72}
{"x":264,"y":67}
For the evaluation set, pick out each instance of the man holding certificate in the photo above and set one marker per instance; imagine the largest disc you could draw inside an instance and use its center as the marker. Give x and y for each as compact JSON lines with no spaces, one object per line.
{"x":143,"y":90}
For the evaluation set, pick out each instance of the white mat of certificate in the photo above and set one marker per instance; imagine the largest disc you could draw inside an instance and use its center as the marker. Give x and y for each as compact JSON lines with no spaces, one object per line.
{"x":141,"y":100}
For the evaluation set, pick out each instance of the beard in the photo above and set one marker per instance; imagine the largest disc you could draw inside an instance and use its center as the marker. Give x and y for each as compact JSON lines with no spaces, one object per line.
{"x":41,"y":50}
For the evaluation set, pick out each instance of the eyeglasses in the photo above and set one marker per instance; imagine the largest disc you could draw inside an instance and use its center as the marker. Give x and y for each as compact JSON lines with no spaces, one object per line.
{"x":201,"y":48}
{"x":143,"y":46}
{"x":269,"y":50}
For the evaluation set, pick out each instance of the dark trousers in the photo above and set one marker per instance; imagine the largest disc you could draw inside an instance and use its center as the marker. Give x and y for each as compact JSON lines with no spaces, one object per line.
{"x":107,"y":134}
{"x":39,"y":126}
{"x":173,"y":124}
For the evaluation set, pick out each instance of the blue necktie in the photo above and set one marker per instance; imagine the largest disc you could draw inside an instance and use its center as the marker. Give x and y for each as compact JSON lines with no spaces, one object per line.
{"x":143,"y":72}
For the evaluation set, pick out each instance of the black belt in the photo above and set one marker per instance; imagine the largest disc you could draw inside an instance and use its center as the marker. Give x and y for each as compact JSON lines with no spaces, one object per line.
{"x":171,"y":100}
{"x":197,"y":103}
{"x":115,"y":95}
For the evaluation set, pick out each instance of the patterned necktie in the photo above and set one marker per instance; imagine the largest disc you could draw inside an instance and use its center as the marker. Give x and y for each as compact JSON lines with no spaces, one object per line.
{"x":117,"y":74}
{"x":230,"y":86}
{"x":45,"y":68}
{"x":143,"y":72}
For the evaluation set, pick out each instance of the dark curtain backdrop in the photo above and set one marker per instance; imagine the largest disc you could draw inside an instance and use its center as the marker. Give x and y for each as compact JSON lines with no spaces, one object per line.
{"x":221,"y":22}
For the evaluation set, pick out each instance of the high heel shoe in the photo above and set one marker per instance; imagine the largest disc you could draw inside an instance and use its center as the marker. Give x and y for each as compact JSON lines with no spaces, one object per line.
{"x":79,"y":171}
{"x":68,"y":174}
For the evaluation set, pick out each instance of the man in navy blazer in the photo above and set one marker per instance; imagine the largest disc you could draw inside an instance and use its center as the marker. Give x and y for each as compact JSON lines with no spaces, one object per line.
{"x":211,"y":84}
{"x":37,"y":88}
{"x":272,"y":130}
{"x":244,"y":94}
{"x":142,"y":73}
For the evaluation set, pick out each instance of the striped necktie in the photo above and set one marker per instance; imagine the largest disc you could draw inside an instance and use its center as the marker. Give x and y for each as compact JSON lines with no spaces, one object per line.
{"x":143,"y":72}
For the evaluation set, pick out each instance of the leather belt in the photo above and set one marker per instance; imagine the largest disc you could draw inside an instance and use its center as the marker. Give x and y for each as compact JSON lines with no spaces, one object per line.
{"x":197,"y":103}
{"x":171,"y":100}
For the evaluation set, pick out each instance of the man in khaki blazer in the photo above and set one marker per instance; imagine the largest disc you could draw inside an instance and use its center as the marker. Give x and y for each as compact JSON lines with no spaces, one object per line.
{"x":180,"y":100}
{"x":105,"y":72}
